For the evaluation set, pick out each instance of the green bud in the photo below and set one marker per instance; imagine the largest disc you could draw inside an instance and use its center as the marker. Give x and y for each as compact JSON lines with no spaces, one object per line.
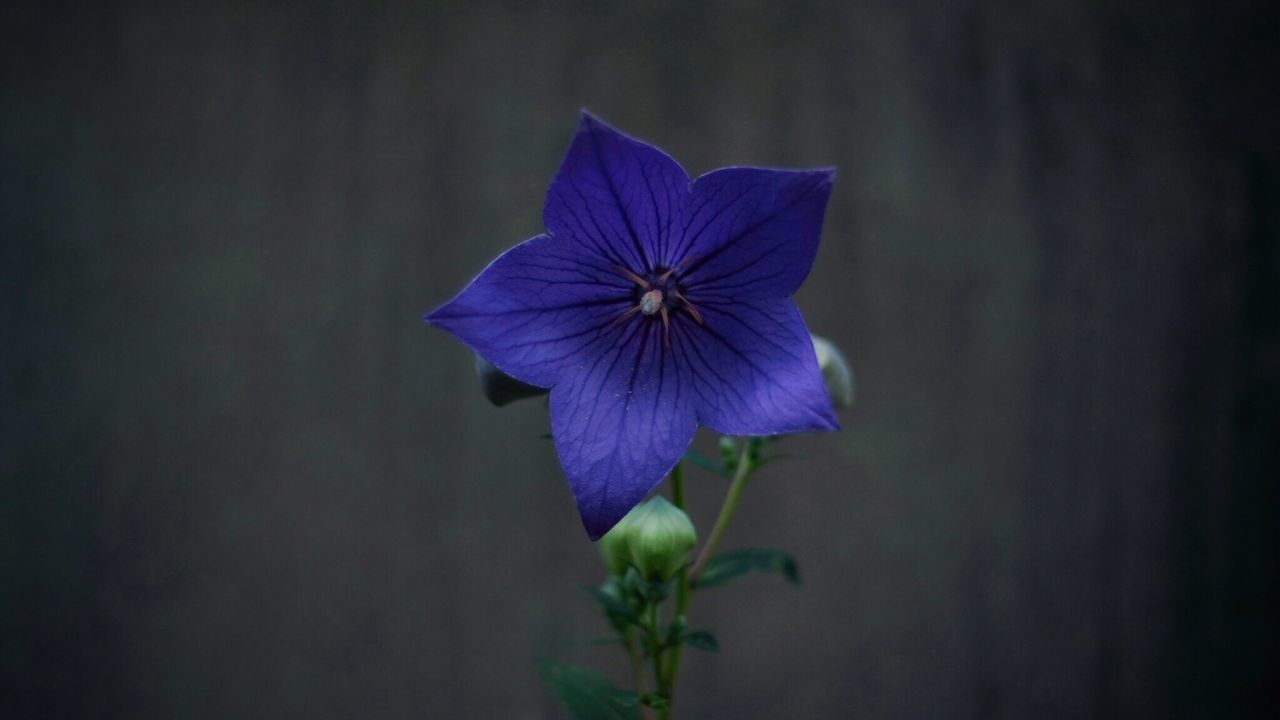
{"x":728,"y":452}
{"x":615,"y":546}
{"x":660,"y":538}
{"x":836,"y":372}
{"x":500,"y":387}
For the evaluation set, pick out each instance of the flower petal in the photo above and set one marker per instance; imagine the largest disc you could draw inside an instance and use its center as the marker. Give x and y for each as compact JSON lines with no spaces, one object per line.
{"x":535,"y":308}
{"x":753,"y":369}
{"x":753,"y":232}
{"x":621,"y":423}
{"x":617,"y":197}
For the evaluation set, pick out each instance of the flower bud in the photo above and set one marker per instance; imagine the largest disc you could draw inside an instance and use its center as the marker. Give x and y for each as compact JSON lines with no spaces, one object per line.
{"x":660,"y":536}
{"x":500,"y":387}
{"x":836,"y":372}
{"x":615,"y":546}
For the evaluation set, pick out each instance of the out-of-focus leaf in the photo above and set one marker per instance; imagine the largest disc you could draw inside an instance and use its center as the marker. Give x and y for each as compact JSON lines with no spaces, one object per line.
{"x":499,"y":387}
{"x":617,"y":611}
{"x":588,"y":695}
{"x":706,"y":463}
{"x":729,"y":566}
{"x":774,"y":458}
{"x":654,"y":700}
{"x":702,"y":640}
{"x":649,"y":591}
{"x":611,"y":641}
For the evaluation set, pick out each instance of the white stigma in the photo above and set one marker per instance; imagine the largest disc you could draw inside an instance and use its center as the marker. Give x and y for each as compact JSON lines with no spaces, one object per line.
{"x":651,"y":302}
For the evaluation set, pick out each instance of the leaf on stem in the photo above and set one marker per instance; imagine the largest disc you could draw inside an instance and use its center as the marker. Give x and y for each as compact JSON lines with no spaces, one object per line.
{"x":702,"y":640}
{"x":654,"y":700}
{"x":729,"y":566}
{"x":774,"y":458}
{"x":616,"y":611}
{"x":588,"y":695}
{"x":715,"y":468}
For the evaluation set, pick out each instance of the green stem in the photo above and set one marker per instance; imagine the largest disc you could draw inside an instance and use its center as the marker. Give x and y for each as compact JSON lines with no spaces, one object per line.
{"x":668,"y":686}
{"x":689,"y":576}
{"x":655,"y":647}
{"x":677,"y":485}
{"x":637,"y":662}
{"x":682,"y":584}
{"x":731,"y":499}
{"x":637,"y":665}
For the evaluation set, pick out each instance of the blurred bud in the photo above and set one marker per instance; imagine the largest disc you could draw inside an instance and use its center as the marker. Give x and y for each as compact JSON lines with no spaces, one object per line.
{"x":836,"y":372}
{"x":660,"y":536}
{"x":615,"y":546}
{"x":728,"y":452}
{"x":500,"y":387}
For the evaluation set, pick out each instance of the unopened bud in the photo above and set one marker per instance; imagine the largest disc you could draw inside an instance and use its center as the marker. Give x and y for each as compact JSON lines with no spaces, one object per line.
{"x":500,"y":387}
{"x":660,"y":536}
{"x":615,"y":546}
{"x":836,"y":371}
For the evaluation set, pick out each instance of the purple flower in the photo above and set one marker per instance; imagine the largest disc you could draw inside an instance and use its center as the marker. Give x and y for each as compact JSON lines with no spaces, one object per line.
{"x":650,"y":306}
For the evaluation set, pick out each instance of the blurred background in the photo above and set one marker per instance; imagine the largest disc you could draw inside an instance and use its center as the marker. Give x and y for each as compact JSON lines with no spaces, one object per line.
{"x":241,"y":479}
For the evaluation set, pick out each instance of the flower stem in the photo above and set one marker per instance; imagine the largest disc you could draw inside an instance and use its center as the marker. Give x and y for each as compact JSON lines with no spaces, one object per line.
{"x":689,"y":576}
{"x":677,"y":485}
{"x":637,"y":666}
{"x":637,"y":663}
{"x":655,"y":649}
{"x":731,"y":499}
{"x":667,"y":676}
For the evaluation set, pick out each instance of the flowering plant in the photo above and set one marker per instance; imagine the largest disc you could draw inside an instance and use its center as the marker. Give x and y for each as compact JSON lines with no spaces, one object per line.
{"x":652,"y":305}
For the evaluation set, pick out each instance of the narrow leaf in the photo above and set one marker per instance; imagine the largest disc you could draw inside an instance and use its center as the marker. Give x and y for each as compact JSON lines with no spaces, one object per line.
{"x":614,"y":609}
{"x":587,"y":694}
{"x":729,"y":566}
{"x":654,"y":700}
{"x":702,"y":640}
{"x":705,"y":463}
{"x":773,"y":458}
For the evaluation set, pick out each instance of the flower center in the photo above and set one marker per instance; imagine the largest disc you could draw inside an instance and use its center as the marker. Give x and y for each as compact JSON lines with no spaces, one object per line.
{"x":651,"y":302}
{"x":658,"y":295}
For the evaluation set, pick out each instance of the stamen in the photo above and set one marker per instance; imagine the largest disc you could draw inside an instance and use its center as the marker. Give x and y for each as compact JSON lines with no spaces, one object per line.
{"x":634,"y":278}
{"x":683,"y":263}
{"x":625,"y":315}
{"x":693,"y":311}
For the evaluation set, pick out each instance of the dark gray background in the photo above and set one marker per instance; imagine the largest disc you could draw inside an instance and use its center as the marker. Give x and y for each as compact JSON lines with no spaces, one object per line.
{"x":240,"y":479}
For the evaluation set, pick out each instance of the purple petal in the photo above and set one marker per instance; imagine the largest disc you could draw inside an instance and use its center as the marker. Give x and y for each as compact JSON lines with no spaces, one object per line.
{"x":617,"y":197}
{"x":621,"y":423}
{"x":753,"y":232}
{"x":536,"y":308}
{"x":753,"y":368}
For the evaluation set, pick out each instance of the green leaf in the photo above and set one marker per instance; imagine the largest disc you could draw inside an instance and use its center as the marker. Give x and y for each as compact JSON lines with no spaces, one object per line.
{"x":702,"y":640}
{"x":706,"y":463}
{"x":616,"y":611}
{"x":654,"y":700}
{"x":610,"y":641}
{"x":588,"y":695}
{"x":774,"y":458}
{"x":729,"y":566}
{"x":649,"y":592}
